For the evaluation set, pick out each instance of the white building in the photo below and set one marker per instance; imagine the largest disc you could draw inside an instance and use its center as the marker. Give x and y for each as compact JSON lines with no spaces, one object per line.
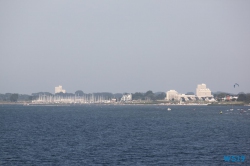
{"x":186,"y":97}
{"x":203,"y":91}
{"x":172,"y":94}
{"x":59,"y":89}
{"x":127,"y":97}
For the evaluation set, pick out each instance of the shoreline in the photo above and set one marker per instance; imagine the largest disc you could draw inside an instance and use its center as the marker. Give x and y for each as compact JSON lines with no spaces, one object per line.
{"x":142,"y":103}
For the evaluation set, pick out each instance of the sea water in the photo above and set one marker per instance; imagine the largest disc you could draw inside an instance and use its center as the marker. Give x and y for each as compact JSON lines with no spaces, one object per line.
{"x":123,"y":135}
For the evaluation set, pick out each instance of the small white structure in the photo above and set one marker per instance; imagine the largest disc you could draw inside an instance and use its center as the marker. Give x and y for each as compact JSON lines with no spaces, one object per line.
{"x":127,"y":97}
{"x":186,"y":97}
{"x":203,"y":91}
{"x":172,"y":94}
{"x":59,"y":89}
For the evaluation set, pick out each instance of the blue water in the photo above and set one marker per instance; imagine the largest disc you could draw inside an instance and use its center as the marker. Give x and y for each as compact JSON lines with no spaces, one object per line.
{"x":123,"y":135}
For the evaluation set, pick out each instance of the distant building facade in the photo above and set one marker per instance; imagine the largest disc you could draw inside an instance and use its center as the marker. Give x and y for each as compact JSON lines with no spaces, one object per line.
{"x":59,"y":89}
{"x":127,"y":97}
{"x":172,"y":95}
{"x":203,"y":91}
{"x":184,"y":97}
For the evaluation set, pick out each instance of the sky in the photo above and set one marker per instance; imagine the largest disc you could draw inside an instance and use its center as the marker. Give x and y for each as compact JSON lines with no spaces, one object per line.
{"x":124,"y":46}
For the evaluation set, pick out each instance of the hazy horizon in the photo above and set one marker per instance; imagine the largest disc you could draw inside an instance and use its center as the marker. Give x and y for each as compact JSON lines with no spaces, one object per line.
{"x":124,"y":46}
{"x":126,"y":92}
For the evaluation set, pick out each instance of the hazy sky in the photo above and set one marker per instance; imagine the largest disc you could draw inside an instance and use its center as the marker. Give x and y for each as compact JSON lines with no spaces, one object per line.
{"x":124,"y":46}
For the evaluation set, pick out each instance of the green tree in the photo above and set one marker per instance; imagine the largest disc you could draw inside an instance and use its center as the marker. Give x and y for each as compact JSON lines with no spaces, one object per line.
{"x":137,"y":96}
{"x":79,"y":93}
{"x":242,"y":97}
{"x":221,"y":95}
{"x":31,"y":98}
{"x":248,"y":98}
{"x":160,"y":96}
{"x":14,"y":97}
{"x":149,"y":95}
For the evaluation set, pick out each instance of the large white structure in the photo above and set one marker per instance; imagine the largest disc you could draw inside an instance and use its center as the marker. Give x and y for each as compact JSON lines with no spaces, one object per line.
{"x":127,"y":97}
{"x":172,"y":95}
{"x":59,"y":89}
{"x":203,"y":91}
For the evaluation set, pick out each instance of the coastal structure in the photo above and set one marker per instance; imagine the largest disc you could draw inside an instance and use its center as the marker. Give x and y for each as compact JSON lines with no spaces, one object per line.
{"x":203,"y":91}
{"x":127,"y":97}
{"x":59,"y":89}
{"x":172,"y":95}
{"x":184,"y":97}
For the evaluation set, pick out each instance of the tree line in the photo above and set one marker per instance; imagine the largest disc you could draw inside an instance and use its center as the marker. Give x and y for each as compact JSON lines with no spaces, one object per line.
{"x":243,"y":97}
{"x":149,"y":95}
{"x":9,"y":97}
